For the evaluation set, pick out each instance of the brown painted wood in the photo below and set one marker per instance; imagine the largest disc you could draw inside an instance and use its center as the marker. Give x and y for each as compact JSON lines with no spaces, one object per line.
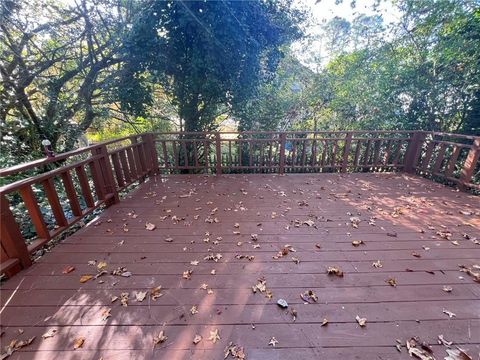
{"x":471,"y":162}
{"x":71,"y":193}
{"x":118,"y":170}
{"x":84,"y":185}
{"x":55,"y":205}
{"x":31,"y":205}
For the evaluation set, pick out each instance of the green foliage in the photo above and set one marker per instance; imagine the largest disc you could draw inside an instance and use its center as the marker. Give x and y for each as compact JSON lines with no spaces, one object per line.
{"x":209,"y":56}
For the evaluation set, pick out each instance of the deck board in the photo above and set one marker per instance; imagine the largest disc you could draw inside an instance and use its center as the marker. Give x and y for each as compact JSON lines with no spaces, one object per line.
{"x":417,"y":211}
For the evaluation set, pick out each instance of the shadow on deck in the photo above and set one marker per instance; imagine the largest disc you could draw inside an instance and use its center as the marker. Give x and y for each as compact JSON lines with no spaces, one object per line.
{"x":419,"y":231}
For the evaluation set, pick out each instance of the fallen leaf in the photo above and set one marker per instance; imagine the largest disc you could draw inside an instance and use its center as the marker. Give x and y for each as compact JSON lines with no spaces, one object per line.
{"x":324,"y":322}
{"x":187,"y":274}
{"x":377,"y":264}
{"x":449,"y":313}
{"x":273,"y":342}
{"x":392,"y":282}
{"x":194,"y":310}
{"x":447,"y":289}
{"x":457,"y":354}
{"x":309,"y":296}
{"x":68,"y":269}
{"x":160,"y":338}
{"x":101,"y":265}
{"x":235,"y":351}
{"x":357,"y":243}
{"x":197,"y":339}
{"x":194,"y":262}
{"x":85,"y":278}
{"x":443,"y":341}
{"x":155,"y":292}
{"x":50,"y":333}
{"x":140,"y":295}
{"x":361,"y":321}
{"x":124,"y":298}
{"x":150,"y":226}
{"x":214,"y":336}
{"x":78,"y":343}
{"x":335,"y":270}
{"x":106,"y":313}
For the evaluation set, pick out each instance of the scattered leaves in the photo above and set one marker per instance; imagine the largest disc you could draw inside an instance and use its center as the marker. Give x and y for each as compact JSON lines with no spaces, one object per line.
{"x":160,"y":338}
{"x":85,"y":278}
{"x":361,"y":321}
{"x":236,"y":351}
{"x":50,"y":333}
{"x":150,"y":226}
{"x":335,"y":270}
{"x":214,"y":336}
{"x":197,"y":339}
{"x":392,"y":282}
{"x":309,"y":296}
{"x":357,"y":243}
{"x":78,"y":343}
{"x":273,"y":342}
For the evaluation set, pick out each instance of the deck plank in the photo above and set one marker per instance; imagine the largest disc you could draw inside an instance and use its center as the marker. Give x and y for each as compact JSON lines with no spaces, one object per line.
{"x":401,"y":216}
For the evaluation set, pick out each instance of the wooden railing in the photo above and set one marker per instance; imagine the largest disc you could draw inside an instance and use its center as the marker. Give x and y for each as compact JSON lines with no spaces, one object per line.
{"x":65,"y":189}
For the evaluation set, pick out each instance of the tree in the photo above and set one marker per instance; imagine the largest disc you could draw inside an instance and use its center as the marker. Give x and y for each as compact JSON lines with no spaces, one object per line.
{"x":209,"y":56}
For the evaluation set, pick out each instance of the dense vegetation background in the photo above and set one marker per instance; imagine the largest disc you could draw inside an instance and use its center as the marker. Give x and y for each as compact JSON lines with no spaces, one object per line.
{"x":103,"y":68}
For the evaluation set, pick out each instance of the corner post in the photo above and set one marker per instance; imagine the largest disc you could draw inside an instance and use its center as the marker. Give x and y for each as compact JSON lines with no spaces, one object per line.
{"x":12,"y":239}
{"x":470,"y":164}
{"x":283,"y":141}
{"x":413,"y":151}
{"x":218,"y":154}
{"x":107,"y":174}
{"x":346,"y":151}
{"x":152,"y":156}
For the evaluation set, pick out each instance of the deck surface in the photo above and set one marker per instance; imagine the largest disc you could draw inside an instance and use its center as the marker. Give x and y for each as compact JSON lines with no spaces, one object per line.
{"x":404,"y":221}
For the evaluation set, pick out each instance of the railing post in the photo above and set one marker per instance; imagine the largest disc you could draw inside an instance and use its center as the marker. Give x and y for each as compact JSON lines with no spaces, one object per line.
{"x":470,"y":164}
{"x":107,"y":174}
{"x":283,"y":141}
{"x":11,"y":237}
{"x":413,"y":151}
{"x":218,"y":151}
{"x":151,"y":152}
{"x":346,"y":151}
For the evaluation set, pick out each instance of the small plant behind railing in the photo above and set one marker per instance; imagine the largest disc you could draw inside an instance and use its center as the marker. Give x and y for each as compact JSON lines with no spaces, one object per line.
{"x":62,"y":191}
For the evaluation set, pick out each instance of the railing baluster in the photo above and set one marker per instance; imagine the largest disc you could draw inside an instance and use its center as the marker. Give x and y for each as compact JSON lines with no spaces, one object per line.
{"x":31,"y":203}
{"x":85,"y":186}
{"x":52,"y":197}
{"x":12,"y":239}
{"x":346,"y":151}
{"x":470,"y":163}
{"x":452,"y":161}
{"x":439,"y":161}
{"x":118,"y":170}
{"x":428,"y":155}
{"x":71,"y":193}
{"x":125,"y":169}
{"x":218,"y":153}
{"x":283,"y":141}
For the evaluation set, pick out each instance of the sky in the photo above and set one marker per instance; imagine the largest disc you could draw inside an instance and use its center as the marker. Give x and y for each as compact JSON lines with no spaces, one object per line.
{"x":324,"y":10}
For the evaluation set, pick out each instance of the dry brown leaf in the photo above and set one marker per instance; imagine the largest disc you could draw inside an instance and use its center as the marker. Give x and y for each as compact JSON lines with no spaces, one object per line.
{"x":214,"y":335}
{"x":457,"y":354}
{"x":68,"y":269}
{"x":187,"y":274}
{"x":273,"y":342}
{"x":140,"y":295}
{"x":101,"y":265}
{"x":194,"y":310}
{"x":194,"y":262}
{"x":324,"y":322}
{"x":235,"y":351}
{"x":357,"y":243}
{"x":447,"y":289}
{"x":106,"y":313}
{"x":309,"y":296}
{"x":85,"y":278}
{"x":361,"y":321}
{"x":449,"y":313}
{"x":335,"y":270}
{"x":50,"y":333}
{"x":160,"y":338}
{"x":78,"y":343}
{"x":377,"y":264}
{"x":197,"y":339}
{"x":150,"y":226}
{"x":124,"y":298}
{"x":392,"y":282}
{"x":155,"y":292}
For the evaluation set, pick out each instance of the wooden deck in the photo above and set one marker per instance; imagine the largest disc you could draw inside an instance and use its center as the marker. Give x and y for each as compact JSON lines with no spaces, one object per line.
{"x":404,"y":223}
